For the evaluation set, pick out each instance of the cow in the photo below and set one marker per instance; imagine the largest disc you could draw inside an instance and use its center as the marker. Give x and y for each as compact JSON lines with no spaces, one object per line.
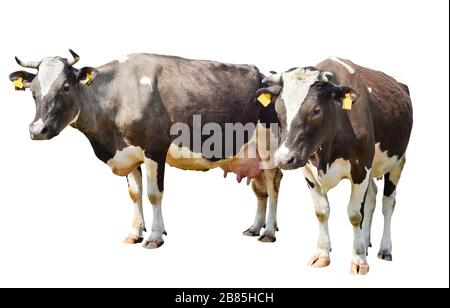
{"x":341,"y":120}
{"x":130,"y":108}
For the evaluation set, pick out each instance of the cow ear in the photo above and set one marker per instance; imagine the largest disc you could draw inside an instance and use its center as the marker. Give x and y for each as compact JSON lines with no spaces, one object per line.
{"x":21,"y":80}
{"x":346,"y":97}
{"x":86,"y":75}
{"x":273,"y":90}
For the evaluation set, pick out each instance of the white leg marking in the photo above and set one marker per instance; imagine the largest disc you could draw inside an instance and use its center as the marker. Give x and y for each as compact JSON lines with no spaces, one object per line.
{"x":135,"y":190}
{"x":260,"y":190}
{"x":272,"y":178}
{"x":388,"y":210}
{"x":359,"y":262}
{"x":347,"y":67}
{"x":155,"y":196}
{"x":385,"y":252}
{"x":369,"y":208}
{"x":321,"y":257}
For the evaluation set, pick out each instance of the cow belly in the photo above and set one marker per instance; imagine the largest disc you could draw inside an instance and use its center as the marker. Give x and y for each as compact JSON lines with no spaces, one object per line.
{"x":126,"y":160}
{"x":382,"y":163}
{"x":243,"y":164}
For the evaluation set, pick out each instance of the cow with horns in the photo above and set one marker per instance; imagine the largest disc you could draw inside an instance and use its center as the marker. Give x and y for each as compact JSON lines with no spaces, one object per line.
{"x":128,"y":107}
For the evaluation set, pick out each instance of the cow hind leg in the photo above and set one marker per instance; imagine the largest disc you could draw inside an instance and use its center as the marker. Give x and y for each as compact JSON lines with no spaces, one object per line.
{"x":272,"y":178}
{"x":369,"y":208}
{"x":155,"y":183}
{"x":134,"y":180}
{"x":260,"y":189}
{"x":391,"y":180}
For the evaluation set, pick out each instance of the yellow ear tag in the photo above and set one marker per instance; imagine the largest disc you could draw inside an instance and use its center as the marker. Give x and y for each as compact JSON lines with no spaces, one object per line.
{"x":88,"y":79}
{"x":347,"y":102}
{"x":18,"y":83}
{"x":264,"y":99}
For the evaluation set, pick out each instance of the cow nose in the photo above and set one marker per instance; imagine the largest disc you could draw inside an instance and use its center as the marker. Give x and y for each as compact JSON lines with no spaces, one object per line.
{"x":38,"y":130}
{"x":286,"y":159}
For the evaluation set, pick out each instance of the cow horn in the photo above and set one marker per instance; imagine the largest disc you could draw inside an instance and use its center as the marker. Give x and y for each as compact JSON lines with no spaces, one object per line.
{"x":274,"y":78}
{"x":75,"y":59}
{"x":326,"y":76}
{"x":29,"y":64}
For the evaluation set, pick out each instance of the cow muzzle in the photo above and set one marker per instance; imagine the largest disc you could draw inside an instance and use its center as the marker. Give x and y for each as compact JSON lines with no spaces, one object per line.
{"x":39,"y":131}
{"x":290,"y":161}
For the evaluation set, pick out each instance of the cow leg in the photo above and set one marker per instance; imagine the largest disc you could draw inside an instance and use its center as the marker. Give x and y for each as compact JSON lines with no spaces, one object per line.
{"x":272,"y":178}
{"x":321,"y":257}
{"x":260,"y":189}
{"x":155,"y":188}
{"x":369,"y":208}
{"x":355,"y":211}
{"x":391,"y":180}
{"x":135,"y":190}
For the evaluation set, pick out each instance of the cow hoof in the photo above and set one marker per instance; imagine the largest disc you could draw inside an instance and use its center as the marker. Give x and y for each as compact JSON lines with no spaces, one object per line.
{"x":153,"y":244}
{"x":267,"y":238}
{"x":133,"y":239}
{"x":386,"y":256}
{"x":250,"y":232}
{"x":359,"y":269}
{"x":319,"y":262}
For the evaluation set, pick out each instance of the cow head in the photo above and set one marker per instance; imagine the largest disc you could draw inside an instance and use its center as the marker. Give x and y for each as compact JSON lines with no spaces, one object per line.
{"x":56,"y":91}
{"x":308,"y":104}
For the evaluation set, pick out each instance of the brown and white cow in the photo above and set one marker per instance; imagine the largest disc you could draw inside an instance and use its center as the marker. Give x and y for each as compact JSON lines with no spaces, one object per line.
{"x":341,"y":120}
{"x":133,"y":109}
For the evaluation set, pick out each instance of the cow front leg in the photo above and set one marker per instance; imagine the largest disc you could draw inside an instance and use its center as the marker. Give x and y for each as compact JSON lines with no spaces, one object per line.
{"x":134,"y":180}
{"x":355,"y":211}
{"x":321,"y":257}
{"x":260,"y":189}
{"x":155,"y":188}
{"x":272,"y":178}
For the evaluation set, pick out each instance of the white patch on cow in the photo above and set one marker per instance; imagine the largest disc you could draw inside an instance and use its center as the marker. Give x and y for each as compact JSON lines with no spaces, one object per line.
{"x":155,"y":197}
{"x":49,"y":71}
{"x":369,"y":89}
{"x":347,"y":67}
{"x":296,"y":86}
{"x":338,"y":170}
{"x":281,"y":153}
{"x":135,"y":190}
{"x":38,"y":125}
{"x":382,"y":163}
{"x":122,"y":59}
{"x":74,"y":120}
{"x":126,"y":160}
{"x":354,"y":212}
{"x":146,"y":81}
{"x":388,"y":210}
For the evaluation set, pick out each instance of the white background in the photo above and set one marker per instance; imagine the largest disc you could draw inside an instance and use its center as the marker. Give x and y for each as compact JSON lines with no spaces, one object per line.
{"x":63,"y":214}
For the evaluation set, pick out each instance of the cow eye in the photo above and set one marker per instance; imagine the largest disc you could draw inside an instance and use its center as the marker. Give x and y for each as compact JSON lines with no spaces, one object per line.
{"x":316,"y":111}
{"x":66,"y":87}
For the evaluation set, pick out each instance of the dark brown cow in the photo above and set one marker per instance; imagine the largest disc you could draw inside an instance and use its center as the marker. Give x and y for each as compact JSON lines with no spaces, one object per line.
{"x":133,"y":109}
{"x":340,"y":120}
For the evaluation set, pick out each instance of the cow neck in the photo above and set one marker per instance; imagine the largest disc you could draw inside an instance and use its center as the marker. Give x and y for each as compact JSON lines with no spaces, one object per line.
{"x":94,"y":121}
{"x":337,"y":144}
